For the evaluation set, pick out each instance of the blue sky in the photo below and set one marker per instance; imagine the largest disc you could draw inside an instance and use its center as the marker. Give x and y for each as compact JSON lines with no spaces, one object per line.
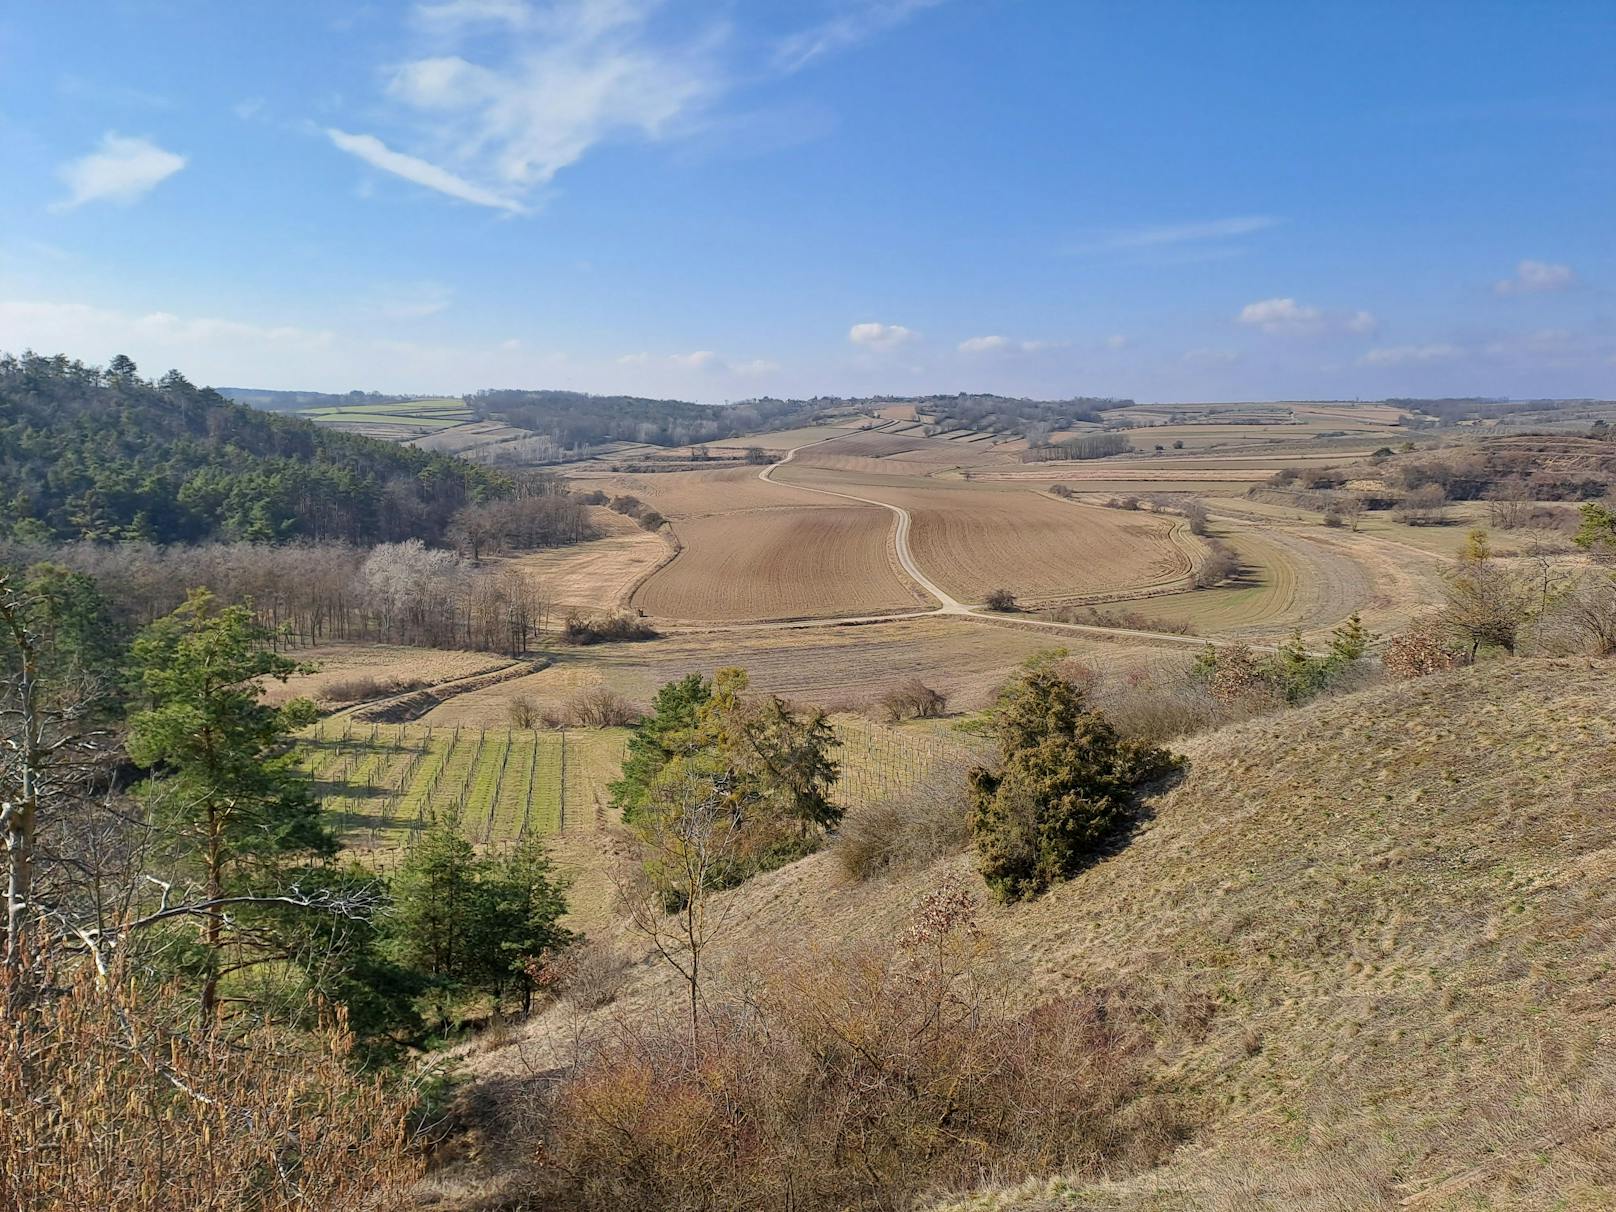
{"x":716,"y":200}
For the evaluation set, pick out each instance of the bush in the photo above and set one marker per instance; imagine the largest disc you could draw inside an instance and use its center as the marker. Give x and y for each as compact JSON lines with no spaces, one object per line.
{"x":1060,"y":490}
{"x":1220,"y":565}
{"x":1419,"y":651}
{"x":651,"y":520}
{"x":907,"y":829}
{"x":1132,"y":620}
{"x":1063,"y":789}
{"x":521,"y":712}
{"x":358,"y":689}
{"x":599,"y":707}
{"x":1000,"y":599}
{"x":581,"y":628}
{"x":852,"y":1081}
{"x":913,"y":700}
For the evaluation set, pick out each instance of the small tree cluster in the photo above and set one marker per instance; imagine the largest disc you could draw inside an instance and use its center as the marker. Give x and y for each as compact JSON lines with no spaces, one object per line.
{"x":1291,"y":674}
{"x":1000,"y":599}
{"x":1063,"y":788}
{"x":473,"y":923}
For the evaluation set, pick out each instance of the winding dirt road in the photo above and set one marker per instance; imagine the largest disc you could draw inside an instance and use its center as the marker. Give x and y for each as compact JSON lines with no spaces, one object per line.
{"x":948,"y":605}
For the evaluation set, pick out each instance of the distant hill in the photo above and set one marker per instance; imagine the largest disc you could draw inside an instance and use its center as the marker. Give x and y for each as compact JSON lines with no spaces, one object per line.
{"x":99,"y":454}
{"x":295,"y":401}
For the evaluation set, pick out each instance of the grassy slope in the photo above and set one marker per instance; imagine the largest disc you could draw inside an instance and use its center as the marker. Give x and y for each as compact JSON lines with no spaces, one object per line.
{"x":1382,"y":935}
{"x":1401,"y":908}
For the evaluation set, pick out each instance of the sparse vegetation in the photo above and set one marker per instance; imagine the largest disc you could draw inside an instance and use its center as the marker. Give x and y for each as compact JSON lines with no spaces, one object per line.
{"x":581,"y":628}
{"x":913,"y":700}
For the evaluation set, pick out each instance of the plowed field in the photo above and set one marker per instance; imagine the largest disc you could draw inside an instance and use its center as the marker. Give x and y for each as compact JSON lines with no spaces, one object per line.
{"x":779,"y":564}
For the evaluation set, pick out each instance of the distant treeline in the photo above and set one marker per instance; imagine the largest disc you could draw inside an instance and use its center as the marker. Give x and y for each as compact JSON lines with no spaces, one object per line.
{"x":577,"y":421}
{"x":395,"y":593}
{"x":1082,"y":446}
{"x":1032,"y":419}
{"x":1452,"y":410}
{"x":87,"y":453}
{"x":293,"y":401}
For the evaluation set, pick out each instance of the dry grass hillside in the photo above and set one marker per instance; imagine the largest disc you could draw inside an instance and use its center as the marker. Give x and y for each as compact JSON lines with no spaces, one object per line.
{"x":1376,"y":939}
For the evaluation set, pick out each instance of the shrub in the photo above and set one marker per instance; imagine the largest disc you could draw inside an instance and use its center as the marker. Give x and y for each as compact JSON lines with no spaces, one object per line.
{"x":1060,"y":490}
{"x":1000,"y":599}
{"x":1063,"y":789}
{"x":856,"y":1080}
{"x":1220,"y":565}
{"x":521,"y":712}
{"x":581,"y":628}
{"x":907,"y":829}
{"x":1419,"y":651}
{"x":1425,"y":506}
{"x":600,"y":707}
{"x":118,"y":1101}
{"x":1132,"y":620}
{"x":357,"y":689}
{"x":913,"y":700}
{"x":651,"y":520}
{"x":593,"y":497}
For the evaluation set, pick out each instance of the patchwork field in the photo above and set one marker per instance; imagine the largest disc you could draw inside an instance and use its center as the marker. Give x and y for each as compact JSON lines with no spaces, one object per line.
{"x":394,"y":422}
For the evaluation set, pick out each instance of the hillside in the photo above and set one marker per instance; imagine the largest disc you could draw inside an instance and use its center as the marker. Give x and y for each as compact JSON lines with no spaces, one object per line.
{"x":91,"y":454}
{"x":1373,"y":937}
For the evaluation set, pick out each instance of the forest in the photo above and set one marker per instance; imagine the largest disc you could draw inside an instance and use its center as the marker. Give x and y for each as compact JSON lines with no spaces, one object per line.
{"x":102,"y":454}
{"x":576,"y":420}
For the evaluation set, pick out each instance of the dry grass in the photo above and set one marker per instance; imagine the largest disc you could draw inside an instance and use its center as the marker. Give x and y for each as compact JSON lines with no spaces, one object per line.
{"x":1377,"y":934}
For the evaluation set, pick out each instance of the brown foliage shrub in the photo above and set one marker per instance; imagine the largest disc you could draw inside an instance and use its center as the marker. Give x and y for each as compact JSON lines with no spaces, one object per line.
{"x":1419,"y":651}
{"x":581,"y":628}
{"x":907,"y":829}
{"x":1220,"y":565}
{"x":357,"y":689}
{"x":110,"y":1104}
{"x":860,"y":1080}
{"x":522,"y":713}
{"x":913,"y":700}
{"x":600,"y":707}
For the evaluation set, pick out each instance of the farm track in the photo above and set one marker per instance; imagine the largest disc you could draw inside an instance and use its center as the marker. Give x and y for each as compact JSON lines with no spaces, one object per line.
{"x":948,"y":605}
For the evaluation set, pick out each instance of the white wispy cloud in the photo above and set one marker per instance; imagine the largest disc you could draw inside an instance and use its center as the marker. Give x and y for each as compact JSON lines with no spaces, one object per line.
{"x":998,"y":344}
{"x":414,"y":301}
{"x":1407,"y":355}
{"x":872,"y":335}
{"x":1285,"y":316}
{"x":854,"y":23}
{"x":412,"y":168}
{"x":701,"y":359}
{"x":493,"y":125}
{"x":1169,"y":234}
{"x":1535,"y":278}
{"x":122,"y":169}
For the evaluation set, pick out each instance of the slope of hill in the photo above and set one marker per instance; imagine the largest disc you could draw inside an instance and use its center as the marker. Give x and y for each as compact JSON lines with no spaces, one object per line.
{"x":1375,"y":936}
{"x":91,"y":454}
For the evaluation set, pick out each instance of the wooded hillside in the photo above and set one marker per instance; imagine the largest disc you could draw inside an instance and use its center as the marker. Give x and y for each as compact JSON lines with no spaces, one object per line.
{"x":99,"y":454}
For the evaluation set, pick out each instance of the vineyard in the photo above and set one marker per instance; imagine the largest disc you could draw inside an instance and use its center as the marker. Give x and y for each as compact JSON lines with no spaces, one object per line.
{"x":382,"y":783}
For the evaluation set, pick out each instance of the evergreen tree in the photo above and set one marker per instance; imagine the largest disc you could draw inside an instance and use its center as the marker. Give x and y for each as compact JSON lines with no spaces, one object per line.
{"x":225,"y":794}
{"x":1064,"y":786}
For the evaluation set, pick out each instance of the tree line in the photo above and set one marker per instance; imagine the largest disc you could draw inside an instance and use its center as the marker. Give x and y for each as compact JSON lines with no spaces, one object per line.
{"x":576,"y":421}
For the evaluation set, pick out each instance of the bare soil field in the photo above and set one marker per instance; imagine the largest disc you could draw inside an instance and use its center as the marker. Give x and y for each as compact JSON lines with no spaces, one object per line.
{"x":683,"y":494}
{"x":973,"y":538}
{"x":780,"y":564}
{"x":598,"y":575}
{"x":833,"y":666}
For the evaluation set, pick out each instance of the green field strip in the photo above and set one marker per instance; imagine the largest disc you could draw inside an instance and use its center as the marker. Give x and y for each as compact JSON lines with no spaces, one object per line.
{"x":507,"y":816}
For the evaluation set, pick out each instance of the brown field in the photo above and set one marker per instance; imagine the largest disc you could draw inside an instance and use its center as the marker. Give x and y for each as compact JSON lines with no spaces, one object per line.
{"x":598,"y":575}
{"x":779,"y":564}
{"x":833,"y":666}
{"x":340,"y":662}
{"x":973,"y":538}
{"x":682,"y":494}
